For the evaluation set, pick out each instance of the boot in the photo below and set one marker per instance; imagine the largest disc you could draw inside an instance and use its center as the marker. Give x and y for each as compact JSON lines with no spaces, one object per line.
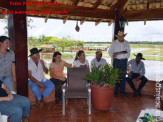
{"x":24,"y":119}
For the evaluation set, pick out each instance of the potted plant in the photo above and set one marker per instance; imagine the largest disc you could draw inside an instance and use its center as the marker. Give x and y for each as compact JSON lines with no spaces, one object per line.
{"x":102,"y":85}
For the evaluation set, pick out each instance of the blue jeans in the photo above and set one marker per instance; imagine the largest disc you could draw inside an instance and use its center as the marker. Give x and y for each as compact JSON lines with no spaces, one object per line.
{"x":49,"y":86}
{"x":8,"y":82}
{"x":122,"y":65}
{"x":16,"y":108}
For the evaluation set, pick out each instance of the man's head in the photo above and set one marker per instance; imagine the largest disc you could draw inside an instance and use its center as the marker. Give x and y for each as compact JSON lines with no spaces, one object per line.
{"x":4,"y":42}
{"x":121,"y":36}
{"x":98,"y":55}
{"x":35,"y":53}
{"x":139,"y":57}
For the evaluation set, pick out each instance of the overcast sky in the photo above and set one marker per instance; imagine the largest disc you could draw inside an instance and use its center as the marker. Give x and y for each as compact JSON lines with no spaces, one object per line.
{"x":137,"y":31}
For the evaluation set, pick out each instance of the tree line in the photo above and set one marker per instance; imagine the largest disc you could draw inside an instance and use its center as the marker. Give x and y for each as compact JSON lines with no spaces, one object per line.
{"x":57,"y":42}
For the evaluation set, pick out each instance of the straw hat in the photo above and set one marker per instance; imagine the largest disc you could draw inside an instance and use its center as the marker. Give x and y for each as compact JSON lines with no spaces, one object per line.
{"x":121,"y":34}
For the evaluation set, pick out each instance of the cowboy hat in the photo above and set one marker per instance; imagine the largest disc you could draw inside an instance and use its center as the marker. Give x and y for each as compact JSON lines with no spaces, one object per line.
{"x":121,"y":34}
{"x":140,"y":55}
{"x":34,"y":51}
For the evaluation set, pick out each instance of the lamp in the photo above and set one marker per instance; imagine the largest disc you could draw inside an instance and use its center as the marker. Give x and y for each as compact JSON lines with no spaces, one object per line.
{"x":77,"y":28}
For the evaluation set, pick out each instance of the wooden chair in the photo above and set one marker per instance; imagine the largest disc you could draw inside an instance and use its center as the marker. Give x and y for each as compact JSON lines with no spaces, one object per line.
{"x":76,"y":86}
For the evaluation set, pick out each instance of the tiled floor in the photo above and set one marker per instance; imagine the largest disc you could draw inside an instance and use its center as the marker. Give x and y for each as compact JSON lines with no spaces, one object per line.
{"x":124,"y":109}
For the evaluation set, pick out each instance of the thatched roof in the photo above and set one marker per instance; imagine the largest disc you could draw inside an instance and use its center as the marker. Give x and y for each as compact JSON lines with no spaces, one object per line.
{"x":96,"y":10}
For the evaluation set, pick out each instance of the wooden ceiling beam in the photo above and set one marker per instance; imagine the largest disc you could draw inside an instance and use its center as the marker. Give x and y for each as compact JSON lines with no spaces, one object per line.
{"x":110,"y":22}
{"x":4,"y":4}
{"x":75,"y":2}
{"x":123,"y":7}
{"x":65,"y":19}
{"x":83,"y":20}
{"x":144,"y":14}
{"x":98,"y":22}
{"x":97,"y":4}
{"x":76,"y":11}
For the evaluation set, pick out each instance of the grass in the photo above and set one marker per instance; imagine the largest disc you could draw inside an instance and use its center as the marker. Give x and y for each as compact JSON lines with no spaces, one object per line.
{"x":155,"y":50}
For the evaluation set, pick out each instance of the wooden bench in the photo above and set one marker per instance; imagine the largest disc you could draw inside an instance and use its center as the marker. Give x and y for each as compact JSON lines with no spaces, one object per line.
{"x":32,"y":97}
{"x":148,"y":89}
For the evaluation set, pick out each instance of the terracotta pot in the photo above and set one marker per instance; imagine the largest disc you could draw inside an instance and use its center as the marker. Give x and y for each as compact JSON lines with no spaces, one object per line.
{"x":102,"y":97}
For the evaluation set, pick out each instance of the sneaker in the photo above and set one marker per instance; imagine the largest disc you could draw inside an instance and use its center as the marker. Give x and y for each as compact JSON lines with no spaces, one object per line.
{"x":42,"y":99}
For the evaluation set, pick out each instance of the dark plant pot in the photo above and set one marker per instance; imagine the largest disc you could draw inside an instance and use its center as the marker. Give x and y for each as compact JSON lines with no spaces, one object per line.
{"x":102,"y":97}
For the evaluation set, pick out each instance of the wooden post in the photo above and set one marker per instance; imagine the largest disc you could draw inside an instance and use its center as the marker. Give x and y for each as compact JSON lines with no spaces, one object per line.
{"x":17,"y":28}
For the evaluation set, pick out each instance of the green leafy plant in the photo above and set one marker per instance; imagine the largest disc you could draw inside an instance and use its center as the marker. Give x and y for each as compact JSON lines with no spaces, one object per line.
{"x":105,"y":77}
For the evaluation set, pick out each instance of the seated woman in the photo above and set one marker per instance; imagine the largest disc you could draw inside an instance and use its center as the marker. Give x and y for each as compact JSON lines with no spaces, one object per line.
{"x":57,"y":75}
{"x":80,"y":60}
{"x":12,"y":105}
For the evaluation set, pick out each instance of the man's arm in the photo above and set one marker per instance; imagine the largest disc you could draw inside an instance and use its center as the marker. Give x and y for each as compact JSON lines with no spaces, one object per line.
{"x":44,"y":67}
{"x":111,"y":50}
{"x":33,"y":79}
{"x":9,"y":97}
{"x":13,"y":72}
{"x":128,"y":51}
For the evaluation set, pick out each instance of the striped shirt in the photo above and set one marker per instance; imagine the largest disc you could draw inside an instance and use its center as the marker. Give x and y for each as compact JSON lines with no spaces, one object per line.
{"x":136,"y":68}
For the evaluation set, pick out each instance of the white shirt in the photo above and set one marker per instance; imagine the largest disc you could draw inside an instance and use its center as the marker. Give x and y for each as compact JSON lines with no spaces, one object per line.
{"x":36,"y":71}
{"x":117,"y":46}
{"x":77,"y":63}
{"x":102,"y":62}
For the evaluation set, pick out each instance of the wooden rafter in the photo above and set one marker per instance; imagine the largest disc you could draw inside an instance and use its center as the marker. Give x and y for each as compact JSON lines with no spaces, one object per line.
{"x":110,"y":22}
{"x":4,"y":4}
{"x":98,"y":22}
{"x":65,"y":19}
{"x":76,"y":11}
{"x":75,"y":2}
{"x":144,"y":14}
{"x":123,"y":7}
{"x":83,"y":20}
{"x":97,"y":4}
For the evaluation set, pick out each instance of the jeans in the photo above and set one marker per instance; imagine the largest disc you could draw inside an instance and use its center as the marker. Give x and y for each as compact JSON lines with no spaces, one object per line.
{"x":122,"y":65}
{"x":58,"y":84}
{"x":142,"y":84}
{"x":18,"y":107}
{"x":49,"y":86}
{"x":8,"y":82}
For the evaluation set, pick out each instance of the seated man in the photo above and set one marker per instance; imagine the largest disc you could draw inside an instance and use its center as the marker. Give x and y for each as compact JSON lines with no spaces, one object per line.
{"x":98,"y":60}
{"x":12,"y":105}
{"x":36,"y":69}
{"x":137,"y":71}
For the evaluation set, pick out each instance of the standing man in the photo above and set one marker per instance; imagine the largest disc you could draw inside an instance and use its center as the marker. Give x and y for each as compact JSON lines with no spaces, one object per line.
{"x":98,"y":60}
{"x":7,"y":63}
{"x":37,"y":79}
{"x":120,"y":51}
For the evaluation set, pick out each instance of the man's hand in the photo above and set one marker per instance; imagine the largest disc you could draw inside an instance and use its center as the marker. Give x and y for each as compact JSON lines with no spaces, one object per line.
{"x":115,"y":55}
{"x":41,"y":85}
{"x":129,"y":74}
{"x":42,"y":62}
{"x":138,"y":78}
{"x":9,"y":97}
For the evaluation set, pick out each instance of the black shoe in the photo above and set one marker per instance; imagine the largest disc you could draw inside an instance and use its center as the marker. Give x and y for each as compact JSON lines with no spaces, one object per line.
{"x":135,"y":94}
{"x":139,"y":93}
{"x":57,"y":100}
{"x":124,"y":93}
{"x":115,"y":94}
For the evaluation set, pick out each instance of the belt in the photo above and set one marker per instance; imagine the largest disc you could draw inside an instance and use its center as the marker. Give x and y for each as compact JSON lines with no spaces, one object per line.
{"x":121,"y":59}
